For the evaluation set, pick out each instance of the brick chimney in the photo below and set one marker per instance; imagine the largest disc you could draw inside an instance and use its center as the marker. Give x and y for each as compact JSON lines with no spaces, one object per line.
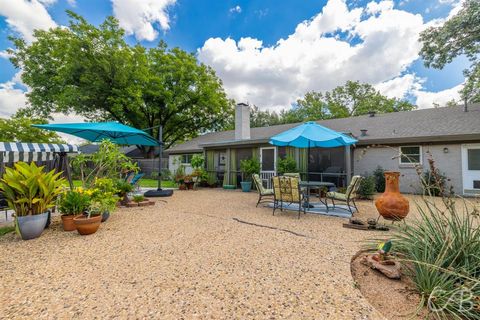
{"x":242,"y":121}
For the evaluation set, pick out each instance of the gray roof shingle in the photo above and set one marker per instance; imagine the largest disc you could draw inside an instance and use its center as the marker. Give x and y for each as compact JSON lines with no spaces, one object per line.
{"x":424,"y":125}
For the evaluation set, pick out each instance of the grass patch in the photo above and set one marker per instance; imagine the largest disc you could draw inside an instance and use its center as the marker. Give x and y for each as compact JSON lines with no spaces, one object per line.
{"x":5,"y":230}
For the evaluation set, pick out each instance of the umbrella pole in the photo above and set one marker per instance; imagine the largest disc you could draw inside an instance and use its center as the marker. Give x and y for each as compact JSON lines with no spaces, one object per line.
{"x":160,"y":151}
{"x":159,"y":192}
{"x":308,"y":162}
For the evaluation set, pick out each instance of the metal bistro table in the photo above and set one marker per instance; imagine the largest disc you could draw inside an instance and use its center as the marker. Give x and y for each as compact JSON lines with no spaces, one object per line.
{"x":309,"y":185}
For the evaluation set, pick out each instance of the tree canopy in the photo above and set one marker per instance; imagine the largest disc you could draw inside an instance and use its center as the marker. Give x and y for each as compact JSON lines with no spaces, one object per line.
{"x":352,"y":99}
{"x":19,"y":129}
{"x":93,"y":72}
{"x":458,"y":36}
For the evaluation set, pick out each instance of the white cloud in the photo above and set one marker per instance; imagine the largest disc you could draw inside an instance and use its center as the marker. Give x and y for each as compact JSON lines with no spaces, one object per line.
{"x":25,"y":16}
{"x":428,"y":99}
{"x":5,"y":55}
{"x":400,"y":87}
{"x":47,"y":2}
{"x":11,"y":97}
{"x":236,"y":9}
{"x":320,"y":55}
{"x":315,"y":56}
{"x":377,"y":7}
{"x":139,"y":17}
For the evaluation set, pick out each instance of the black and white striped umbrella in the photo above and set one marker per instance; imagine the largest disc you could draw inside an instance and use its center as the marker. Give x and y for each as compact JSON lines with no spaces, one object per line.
{"x":27,"y":152}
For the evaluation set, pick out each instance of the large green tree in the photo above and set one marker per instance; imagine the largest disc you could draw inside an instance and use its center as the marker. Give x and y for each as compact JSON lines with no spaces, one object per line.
{"x":19,"y":129}
{"x":458,"y":36}
{"x":352,"y":99}
{"x":93,"y":72}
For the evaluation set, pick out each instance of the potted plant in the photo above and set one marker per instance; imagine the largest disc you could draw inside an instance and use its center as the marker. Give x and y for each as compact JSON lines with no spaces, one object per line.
{"x":248,"y":167}
{"x":123,"y":188}
{"x":188,"y":180}
{"x":30,"y":192}
{"x":71,"y":204}
{"x":197,"y":163}
{"x":104,"y":196}
{"x":90,"y":222}
{"x":179,"y":178}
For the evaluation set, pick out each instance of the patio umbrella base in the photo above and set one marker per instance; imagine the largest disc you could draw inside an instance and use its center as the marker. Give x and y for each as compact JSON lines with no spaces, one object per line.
{"x":158,"y":193}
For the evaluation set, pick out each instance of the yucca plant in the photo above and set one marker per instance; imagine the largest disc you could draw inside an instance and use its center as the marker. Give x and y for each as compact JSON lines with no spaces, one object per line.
{"x":29,"y":190}
{"x":441,"y":251}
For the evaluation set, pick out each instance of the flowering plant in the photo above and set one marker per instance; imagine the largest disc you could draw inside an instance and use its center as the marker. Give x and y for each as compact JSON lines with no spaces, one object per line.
{"x":74,"y":201}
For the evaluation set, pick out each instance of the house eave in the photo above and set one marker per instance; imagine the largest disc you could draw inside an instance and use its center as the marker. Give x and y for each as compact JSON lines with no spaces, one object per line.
{"x":425,"y":139}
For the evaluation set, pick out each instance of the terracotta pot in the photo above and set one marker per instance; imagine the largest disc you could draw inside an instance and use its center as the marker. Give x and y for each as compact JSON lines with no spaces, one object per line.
{"x":68,"y":224}
{"x":391,"y":204}
{"x":87,"y":225}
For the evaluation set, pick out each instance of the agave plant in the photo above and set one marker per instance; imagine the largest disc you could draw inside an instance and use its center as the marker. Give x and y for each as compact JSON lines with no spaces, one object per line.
{"x":29,"y":190}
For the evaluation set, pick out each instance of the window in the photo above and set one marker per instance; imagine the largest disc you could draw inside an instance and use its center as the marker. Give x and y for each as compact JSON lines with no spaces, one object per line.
{"x":473,"y":159}
{"x":186,"y":158}
{"x":410,"y":155}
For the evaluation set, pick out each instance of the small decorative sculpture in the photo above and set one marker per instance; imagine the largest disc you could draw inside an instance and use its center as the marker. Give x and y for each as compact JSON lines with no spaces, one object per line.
{"x":391,"y":204}
{"x":380,"y":261}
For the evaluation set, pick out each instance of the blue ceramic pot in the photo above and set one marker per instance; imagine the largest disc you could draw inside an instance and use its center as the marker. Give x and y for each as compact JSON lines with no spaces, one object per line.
{"x":246,"y":186}
{"x":105,"y":216}
{"x":31,"y":227}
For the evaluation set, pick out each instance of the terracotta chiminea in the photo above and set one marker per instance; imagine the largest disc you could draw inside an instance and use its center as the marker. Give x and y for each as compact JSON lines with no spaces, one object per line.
{"x":391,"y":204}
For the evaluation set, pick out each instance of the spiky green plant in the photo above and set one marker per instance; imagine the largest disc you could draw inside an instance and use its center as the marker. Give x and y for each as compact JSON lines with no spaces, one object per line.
{"x":441,"y":252}
{"x":29,"y":190}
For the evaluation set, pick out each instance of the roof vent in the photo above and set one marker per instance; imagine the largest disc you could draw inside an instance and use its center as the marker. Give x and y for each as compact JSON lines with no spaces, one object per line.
{"x":371,"y":114}
{"x":364,"y":132}
{"x":465,"y":106}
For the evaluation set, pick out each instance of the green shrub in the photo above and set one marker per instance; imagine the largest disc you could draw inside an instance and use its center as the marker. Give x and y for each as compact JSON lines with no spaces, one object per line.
{"x":286,"y":165}
{"x":138,"y":198}
{"x":107,"y":162}
{"x":434,"y":183}
{"x":197,"y":161}
{"x":441,"y":251}
{"x":123,"y":187}
{"x":367,"y":188}
{"x":249,"y":167}
{"x":379,"y":175}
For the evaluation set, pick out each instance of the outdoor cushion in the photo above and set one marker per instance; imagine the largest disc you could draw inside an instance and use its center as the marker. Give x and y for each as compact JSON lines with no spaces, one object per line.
{"x":337,"y":196}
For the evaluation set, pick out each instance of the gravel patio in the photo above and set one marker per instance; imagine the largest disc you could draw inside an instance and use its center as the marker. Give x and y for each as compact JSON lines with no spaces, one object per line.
{"x":206,"y":254}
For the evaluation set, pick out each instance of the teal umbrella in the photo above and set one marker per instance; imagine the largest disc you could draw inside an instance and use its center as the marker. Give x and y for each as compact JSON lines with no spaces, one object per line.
{"x":98,"y":131}
{"x":311,"y":135}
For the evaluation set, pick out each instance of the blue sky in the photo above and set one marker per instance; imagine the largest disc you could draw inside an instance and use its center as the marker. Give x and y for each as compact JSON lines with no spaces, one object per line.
{"x":193,"y":24}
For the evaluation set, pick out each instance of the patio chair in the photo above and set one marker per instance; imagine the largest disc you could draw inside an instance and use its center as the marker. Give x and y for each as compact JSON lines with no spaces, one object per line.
{"x":348,"y":196}
{"x":135,"y":179}
{"x":286,"y":190}
{"x":262,"y":191}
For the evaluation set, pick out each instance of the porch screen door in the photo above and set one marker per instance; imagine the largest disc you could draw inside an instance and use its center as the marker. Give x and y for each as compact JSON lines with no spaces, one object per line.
{"x":268,"y":161}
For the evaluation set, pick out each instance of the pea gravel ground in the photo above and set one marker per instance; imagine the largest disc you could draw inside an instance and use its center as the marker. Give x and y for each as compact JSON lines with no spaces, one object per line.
{"x":191,"y":258}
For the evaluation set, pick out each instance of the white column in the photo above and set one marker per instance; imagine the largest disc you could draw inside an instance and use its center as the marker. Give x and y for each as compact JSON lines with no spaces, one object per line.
{"x":348,"y":164}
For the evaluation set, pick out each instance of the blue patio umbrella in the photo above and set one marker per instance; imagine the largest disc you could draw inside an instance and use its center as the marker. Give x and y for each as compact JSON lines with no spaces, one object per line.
{"x":97,"y":131}
{"x":117,"y":133}
{"x":311,"y":135}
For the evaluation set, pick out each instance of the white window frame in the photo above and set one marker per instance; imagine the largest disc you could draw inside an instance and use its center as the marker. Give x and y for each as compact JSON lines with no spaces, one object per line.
{"x":420,"y":150}
{"x":185,"y":163}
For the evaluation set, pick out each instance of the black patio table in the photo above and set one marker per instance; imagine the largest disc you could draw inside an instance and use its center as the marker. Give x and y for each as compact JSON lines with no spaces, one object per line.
{"x":309,"y":185}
